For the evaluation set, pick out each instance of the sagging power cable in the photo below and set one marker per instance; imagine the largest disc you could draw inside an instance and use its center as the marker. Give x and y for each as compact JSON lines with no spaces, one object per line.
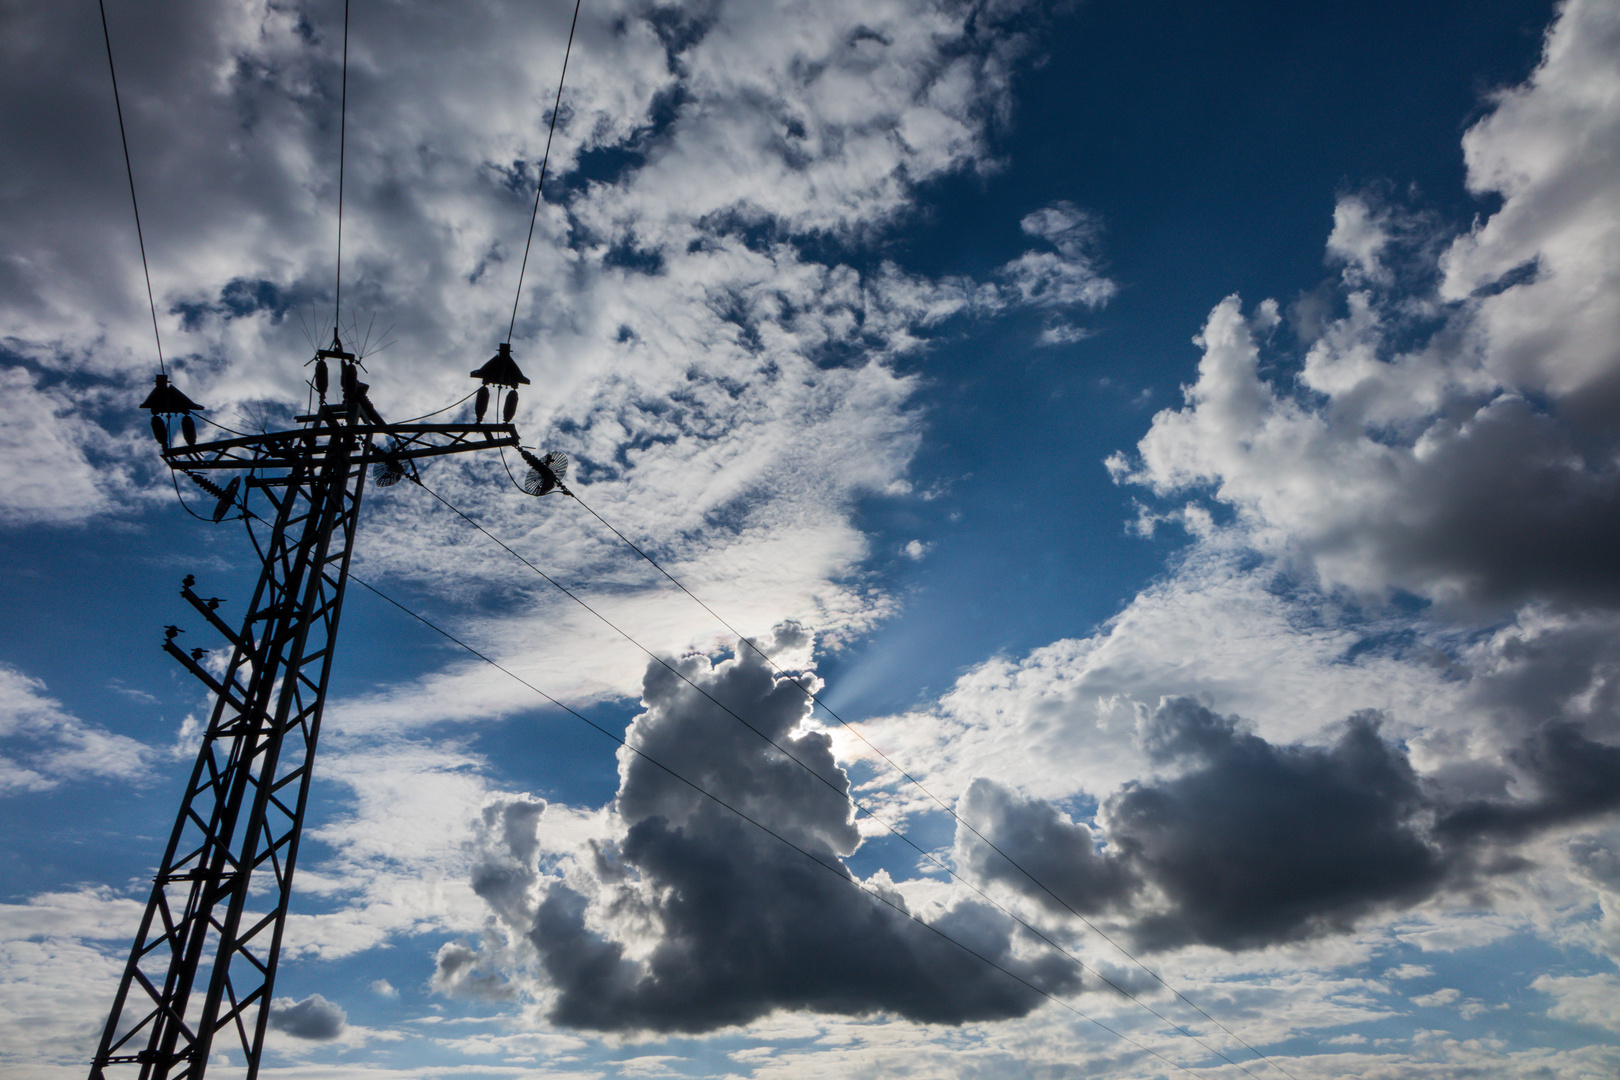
{"x":846,"y":796}
{"x":855,"y":731}
{"x":544,"y":160}
{"x":343,"y":130}
{"x":839,"y":871}
{"x":129,"y":170}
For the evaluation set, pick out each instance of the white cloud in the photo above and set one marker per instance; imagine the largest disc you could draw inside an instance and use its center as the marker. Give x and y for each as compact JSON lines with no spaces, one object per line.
{"x":1439,"y":997}
{"x":1474,"y":467}
{"x":42,"y":745}
{"x":1359,"y":236}
{"x":1583,"y":999}
{"x":723,"y":391}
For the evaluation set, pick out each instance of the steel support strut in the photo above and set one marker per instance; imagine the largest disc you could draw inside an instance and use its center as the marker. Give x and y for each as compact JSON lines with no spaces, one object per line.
{"x":203,"y":962}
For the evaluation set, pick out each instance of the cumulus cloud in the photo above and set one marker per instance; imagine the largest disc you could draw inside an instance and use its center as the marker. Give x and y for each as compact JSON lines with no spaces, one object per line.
{"x":1240,"y":843}
{"x":1583,"y":999}
{"x":313,"y":1018}
{"x":691,"y":919}
{"x":1427,"y":445}
{"x":1255,"y":843}
{"x":1039,"y":850}
{"x":1453,"y":439}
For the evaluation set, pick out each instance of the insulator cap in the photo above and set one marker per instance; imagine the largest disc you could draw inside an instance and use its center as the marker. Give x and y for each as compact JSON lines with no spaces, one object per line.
{"x":481,"y":404}
{"x":501,"y":370}
{"x":511,"y":407}
{"x":160,"y":431}
{"x":168,"y":400}
{"x":188,"y":429}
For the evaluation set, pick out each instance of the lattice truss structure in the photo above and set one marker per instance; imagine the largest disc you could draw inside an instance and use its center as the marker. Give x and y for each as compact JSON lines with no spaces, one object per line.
{"x":204,"y":962}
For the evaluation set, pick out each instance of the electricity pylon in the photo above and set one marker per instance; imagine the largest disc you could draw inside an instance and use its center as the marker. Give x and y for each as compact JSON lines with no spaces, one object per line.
{"x":204,"y":961}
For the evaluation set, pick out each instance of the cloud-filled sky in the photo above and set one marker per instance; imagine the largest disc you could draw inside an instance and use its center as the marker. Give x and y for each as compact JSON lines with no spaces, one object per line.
{"x":1174,"y":443}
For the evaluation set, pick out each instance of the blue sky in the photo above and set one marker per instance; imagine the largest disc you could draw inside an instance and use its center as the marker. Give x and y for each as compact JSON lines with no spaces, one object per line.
{"x":1180,"y":437}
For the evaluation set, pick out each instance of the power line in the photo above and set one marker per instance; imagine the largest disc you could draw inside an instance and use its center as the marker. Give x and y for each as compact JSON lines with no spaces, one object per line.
{"x":130,"y":172}
{"x":343,"y":126}
{"x":919,"y":786}
{"x":847,"y":797}
{"x":839,"y":871}
{"x":546,"y":157}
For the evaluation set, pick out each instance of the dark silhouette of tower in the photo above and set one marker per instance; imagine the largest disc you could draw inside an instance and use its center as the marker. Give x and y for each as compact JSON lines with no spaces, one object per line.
{"x":204,"y":961}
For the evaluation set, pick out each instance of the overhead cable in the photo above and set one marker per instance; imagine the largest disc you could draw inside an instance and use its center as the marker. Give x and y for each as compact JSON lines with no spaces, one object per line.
{"x":839,"y":871}
{"x":846,"y":796}
{"x":343,"y":126}
{"x":853,"y":730}
{"x":544,"y":159}
{"x":129,"y":171}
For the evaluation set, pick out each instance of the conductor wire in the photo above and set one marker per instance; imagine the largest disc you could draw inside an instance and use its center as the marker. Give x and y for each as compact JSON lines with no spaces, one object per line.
{"x":838,"y":871}
{"x":129,"y":171}
{"x":846,"y":796}
{"x":343,"y":125}
{"x":853,"y":730}
{"x":544,"y":159}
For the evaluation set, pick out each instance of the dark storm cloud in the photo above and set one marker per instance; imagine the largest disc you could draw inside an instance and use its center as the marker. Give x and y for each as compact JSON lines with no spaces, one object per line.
{"x":733,"y":923}
{"x":749,"y":926}
{"x":1576,"y":778}
{"x":1249,"y":843}
{"x":1258,"y":843}
{"x":1059,"y":853}
{"x":313,"y":1018}
{"x":1510,"y":506}
{"x":745,"y":924}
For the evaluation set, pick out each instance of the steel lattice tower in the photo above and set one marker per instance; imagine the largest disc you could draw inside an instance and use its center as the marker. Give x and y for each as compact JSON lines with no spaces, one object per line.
{"x":204,"y":960}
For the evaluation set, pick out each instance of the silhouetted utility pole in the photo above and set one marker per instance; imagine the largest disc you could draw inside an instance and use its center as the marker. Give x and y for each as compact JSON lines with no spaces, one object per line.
{"x":204,"y":961}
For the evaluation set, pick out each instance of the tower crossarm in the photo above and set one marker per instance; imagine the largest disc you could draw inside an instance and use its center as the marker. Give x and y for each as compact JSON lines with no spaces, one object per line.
{"x":281,"y":449}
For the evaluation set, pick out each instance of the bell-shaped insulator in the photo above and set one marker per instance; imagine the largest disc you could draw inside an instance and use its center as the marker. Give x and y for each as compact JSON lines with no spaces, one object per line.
{"x":188,"y":429}
{"x":320,"y":377}
{"x":160,"y":431}
{"x":511,"y":407}
{"x":349,"y":377}
{"x":501,"y":370}
{"x":481,"y":404}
